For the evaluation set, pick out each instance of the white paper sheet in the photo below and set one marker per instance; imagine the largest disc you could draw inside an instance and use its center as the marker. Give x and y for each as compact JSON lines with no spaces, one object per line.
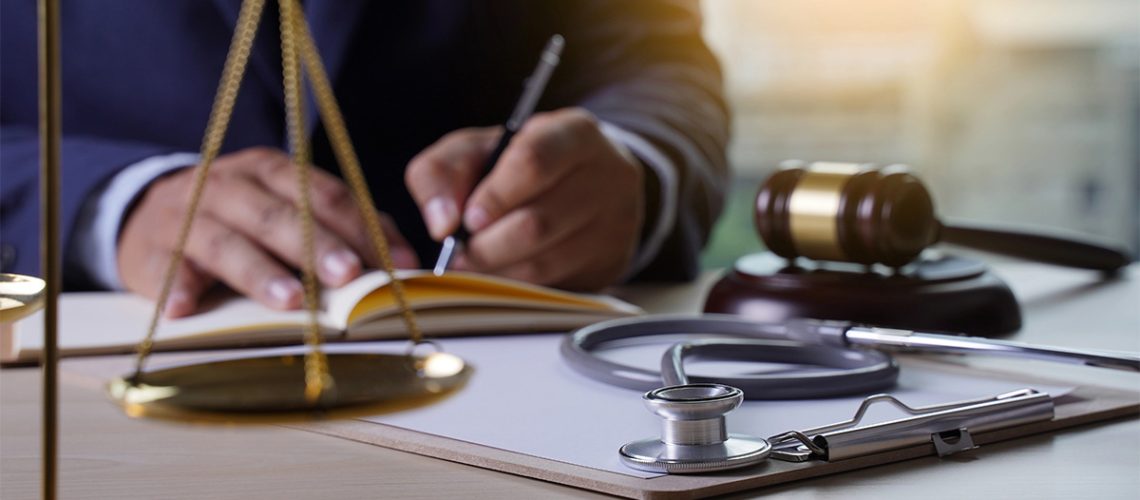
{"x":523,"y":398}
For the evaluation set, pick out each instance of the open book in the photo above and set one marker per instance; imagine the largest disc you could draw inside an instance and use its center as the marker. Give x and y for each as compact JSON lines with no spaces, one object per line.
{"x":365,"y":309}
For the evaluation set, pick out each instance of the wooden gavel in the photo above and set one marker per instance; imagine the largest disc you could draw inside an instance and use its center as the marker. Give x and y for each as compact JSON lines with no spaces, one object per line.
{"x":858,"y":213}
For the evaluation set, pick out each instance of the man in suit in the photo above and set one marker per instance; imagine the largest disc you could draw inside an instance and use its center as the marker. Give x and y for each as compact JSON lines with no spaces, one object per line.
{"x":618,"y":176}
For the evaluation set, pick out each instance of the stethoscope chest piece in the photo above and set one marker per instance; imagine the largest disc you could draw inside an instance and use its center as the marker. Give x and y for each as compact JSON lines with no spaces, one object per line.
{"x":694,"y":438}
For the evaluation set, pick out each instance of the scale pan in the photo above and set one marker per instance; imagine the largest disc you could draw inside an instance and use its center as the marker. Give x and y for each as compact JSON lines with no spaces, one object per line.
{"x":19,"y":296}
{"x":275,"y":384}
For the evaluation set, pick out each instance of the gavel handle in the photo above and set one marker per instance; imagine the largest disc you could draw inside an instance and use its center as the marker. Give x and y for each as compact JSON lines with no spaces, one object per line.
{"x":1036,"y":247}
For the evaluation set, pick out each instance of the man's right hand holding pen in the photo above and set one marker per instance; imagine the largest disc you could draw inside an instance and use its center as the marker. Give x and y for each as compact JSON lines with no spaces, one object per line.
{"x":562,"y":207}
{"x":553,"y":200}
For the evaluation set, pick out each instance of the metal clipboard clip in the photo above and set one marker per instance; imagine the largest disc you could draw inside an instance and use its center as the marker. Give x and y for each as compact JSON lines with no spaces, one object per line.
{"x":948,"y":426}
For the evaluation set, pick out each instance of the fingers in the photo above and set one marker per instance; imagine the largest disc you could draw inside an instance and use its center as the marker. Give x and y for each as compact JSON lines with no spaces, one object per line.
{"x":563,"y":206}
{"x":334,"y":209}
{"x":441,"y":177}
{"x":538,"y":158}
{"x":247,"y":233}
{"x":275,"y":224}
{"x":243,"y":265}
{"x":577,"y":265}
{"x":213,"y":250}
{"x":143,"y":271}
{"x":190,"y":283}
{"x":534,"y":229}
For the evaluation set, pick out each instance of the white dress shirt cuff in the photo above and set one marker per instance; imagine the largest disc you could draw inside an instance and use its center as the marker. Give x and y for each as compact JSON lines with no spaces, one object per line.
{"x":654,"y":159}
{"x":96,"y":237}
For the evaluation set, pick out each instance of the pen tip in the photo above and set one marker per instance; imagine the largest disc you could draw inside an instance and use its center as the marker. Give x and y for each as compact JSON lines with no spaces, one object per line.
{"x":445,"y":255}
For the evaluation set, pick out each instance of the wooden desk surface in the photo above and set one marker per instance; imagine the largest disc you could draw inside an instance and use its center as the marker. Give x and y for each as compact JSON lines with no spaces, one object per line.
{"x":106,"y":455}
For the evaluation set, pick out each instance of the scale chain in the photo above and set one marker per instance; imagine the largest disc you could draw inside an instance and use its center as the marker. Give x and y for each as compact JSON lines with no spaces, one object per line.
{"x":219,"y":121}
{"x":317,"y":379}
{"x":334,"y":124}
{"x":298,"y":53}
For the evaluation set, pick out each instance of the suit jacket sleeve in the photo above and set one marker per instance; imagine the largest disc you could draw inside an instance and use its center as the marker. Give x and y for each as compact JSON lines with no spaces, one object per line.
{"x":86,"y":164}
{"x":643,"y":66}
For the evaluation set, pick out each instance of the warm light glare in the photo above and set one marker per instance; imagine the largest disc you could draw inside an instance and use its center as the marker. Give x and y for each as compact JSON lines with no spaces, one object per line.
{"x":130,"y":395}
{"x":442,"y":365}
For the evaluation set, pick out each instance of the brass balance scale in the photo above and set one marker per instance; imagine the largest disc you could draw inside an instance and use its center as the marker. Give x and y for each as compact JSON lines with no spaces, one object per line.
{"x":240,"y":386}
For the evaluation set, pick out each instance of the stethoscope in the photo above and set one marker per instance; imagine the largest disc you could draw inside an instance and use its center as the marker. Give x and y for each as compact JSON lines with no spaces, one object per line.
{"x":848,"y":358}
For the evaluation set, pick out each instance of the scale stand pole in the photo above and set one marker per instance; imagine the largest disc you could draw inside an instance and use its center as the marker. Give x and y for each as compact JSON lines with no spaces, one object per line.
{"x":49,"y":88}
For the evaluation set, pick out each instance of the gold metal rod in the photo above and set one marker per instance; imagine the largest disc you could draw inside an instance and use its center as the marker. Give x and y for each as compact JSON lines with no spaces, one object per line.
{"x":48,"y":20}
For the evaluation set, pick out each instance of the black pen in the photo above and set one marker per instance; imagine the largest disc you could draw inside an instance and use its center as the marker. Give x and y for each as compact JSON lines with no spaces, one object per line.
{"x":523,"y":109}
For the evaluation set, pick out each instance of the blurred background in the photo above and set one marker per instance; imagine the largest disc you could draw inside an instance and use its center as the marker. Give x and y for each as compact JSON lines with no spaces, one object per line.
{"x":1018,"y":112}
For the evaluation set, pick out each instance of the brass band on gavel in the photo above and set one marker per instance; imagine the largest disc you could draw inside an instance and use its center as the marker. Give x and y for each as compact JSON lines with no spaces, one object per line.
{"x":846,"y":212}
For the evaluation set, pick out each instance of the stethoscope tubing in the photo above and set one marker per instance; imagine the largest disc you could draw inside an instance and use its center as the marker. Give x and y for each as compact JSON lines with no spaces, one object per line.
{"x":847,"y":371}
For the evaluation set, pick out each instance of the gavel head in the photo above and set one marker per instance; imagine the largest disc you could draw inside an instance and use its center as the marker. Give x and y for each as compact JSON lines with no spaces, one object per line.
{"x":846,"y":212}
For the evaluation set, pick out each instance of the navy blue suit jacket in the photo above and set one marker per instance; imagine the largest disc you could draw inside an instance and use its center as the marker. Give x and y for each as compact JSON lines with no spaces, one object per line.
{"x":139,"y":77}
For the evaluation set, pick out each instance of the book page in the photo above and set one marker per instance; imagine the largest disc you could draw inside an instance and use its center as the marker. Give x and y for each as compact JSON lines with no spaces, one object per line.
{"x":104,"y":322}
{"x":453,"y":304}
{"x":369,"y":297}
{"x":462,"y":321}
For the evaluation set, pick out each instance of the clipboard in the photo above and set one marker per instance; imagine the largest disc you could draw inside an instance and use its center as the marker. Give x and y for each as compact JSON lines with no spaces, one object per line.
{"x":1083,"y":405}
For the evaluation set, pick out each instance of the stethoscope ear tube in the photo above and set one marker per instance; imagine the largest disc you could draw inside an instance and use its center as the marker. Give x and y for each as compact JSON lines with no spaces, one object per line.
{"x":844,"y":371}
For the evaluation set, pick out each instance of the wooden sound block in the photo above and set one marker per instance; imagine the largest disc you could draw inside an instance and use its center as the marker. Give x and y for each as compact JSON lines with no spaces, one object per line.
{"x":937,"y":293}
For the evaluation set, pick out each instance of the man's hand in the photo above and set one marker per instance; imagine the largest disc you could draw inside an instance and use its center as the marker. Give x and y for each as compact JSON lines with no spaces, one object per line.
{"x":563,"y":206}
{"x":247,"y":233}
